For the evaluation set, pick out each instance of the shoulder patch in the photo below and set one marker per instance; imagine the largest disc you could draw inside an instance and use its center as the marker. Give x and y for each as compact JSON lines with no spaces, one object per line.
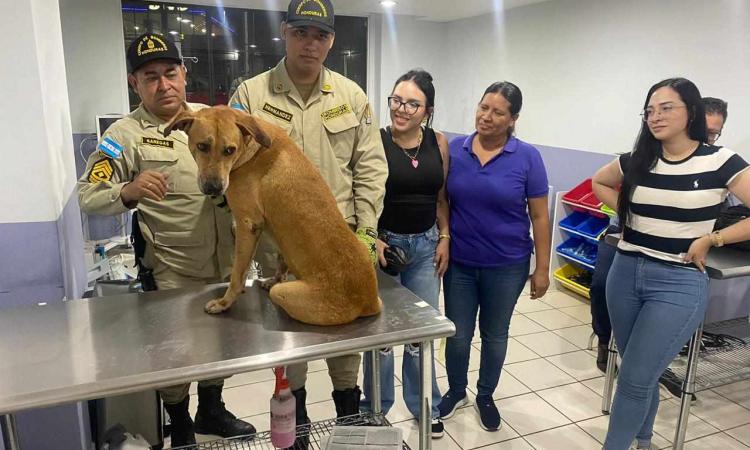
{"x":157,"y":142}
{"x":336,"y":112}
{"x":278,"y":113}
{"x":101,"y":171}
{"x":110,"y":147}
{"x":368,"y":114}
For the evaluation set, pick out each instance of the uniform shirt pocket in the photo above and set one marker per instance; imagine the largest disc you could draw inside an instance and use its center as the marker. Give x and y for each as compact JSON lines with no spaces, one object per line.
{"x":160,"y":160}
{"x":342,"y":131}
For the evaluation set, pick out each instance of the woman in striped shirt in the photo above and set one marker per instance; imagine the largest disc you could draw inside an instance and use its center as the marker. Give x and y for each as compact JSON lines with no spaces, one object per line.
{"x":672,"y":187}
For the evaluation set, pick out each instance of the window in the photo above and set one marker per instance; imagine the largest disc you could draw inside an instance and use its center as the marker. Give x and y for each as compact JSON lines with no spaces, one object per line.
{"x":224,"y":46}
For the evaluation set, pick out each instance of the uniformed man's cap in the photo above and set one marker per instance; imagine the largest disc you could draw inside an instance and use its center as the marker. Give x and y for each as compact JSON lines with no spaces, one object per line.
{"x":149,"y":47}
{"x":310,"y":13}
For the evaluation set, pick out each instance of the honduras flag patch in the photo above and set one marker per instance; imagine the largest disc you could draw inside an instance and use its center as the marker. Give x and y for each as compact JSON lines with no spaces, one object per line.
{"x":110,"y":147}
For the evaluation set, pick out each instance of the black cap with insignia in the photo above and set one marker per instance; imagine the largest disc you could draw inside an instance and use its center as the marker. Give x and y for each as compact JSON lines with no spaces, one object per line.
{"x":149,"y":47}
{"x":310,"y":13}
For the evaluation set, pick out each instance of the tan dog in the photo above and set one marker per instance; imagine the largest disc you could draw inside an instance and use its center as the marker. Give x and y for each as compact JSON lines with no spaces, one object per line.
{"x":272,"y":187}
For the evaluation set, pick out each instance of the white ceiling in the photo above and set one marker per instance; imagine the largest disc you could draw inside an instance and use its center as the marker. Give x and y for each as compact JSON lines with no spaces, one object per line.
{"x":432,"y":10}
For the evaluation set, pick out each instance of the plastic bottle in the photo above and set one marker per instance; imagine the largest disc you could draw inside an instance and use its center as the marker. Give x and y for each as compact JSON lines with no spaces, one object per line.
{"x":283,"y":417}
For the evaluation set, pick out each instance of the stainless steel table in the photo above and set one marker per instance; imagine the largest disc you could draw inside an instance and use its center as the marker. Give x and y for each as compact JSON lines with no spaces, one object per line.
{"x":721,"y":264}
{"x":92,"y":348}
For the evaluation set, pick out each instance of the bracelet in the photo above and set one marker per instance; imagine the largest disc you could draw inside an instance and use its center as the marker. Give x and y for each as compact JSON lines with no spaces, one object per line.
{"x":717,"y":240}
{"x":444,"y":236}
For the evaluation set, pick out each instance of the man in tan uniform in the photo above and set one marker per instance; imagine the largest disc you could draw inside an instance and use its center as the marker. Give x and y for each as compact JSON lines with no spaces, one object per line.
{"x":188,"y":236}
{"x":329,"y":117}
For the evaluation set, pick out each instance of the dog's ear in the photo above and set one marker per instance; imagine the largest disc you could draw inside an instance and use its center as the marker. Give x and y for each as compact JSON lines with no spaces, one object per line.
{"x":248,"y":125}
{"x":181,"y":121}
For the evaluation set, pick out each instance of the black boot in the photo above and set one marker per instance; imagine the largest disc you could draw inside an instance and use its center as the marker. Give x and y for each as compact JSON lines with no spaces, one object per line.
{"x":602,"y":356}
{"x":347,"y":401}
{"x":213,"y":418}
{"x":302,"y":441}
{"x":182,"y":425}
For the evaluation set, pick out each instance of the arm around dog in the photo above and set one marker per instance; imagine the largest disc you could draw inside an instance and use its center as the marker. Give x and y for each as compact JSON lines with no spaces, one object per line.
{"x":369,"y":166}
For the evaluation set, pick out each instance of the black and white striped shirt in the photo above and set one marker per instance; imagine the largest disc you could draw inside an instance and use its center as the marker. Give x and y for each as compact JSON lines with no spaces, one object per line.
{"x":678,"y":201}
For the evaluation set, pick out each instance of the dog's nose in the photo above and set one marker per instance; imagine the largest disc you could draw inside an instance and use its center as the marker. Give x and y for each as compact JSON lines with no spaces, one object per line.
{"x":212,"y":187}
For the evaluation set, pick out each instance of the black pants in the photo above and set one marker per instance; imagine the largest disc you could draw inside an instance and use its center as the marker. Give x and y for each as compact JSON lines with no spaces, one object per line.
{"x":599,"y":313}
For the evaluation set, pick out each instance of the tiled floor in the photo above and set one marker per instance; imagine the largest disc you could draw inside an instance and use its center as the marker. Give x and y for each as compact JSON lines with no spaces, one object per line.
{"x":549,"y":394}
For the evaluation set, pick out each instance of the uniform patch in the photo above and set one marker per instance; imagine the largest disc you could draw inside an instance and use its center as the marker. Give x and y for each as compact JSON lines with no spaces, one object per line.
{"x":110,"y":147}
{"x":278,"y":113}
{"x":336,"y":112}
{"x":101,"y":171}
{"x":368,"y":114}
{"x":157,"y":142}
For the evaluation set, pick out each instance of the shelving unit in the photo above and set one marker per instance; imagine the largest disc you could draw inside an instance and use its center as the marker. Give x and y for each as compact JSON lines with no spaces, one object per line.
{"x":579,"y":220}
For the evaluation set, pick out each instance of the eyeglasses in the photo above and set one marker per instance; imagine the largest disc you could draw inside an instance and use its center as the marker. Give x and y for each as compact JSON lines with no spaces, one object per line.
{"x":410,"y":108}
{"x":650,"y":113}
{"x":713,"y":137}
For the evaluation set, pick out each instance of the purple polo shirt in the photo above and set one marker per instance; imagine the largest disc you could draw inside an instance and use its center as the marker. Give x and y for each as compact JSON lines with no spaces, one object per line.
{"x":489,"y":219}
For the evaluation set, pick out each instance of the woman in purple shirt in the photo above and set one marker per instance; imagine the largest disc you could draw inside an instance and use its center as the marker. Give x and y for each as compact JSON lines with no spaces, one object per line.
{"x":497,"y":189}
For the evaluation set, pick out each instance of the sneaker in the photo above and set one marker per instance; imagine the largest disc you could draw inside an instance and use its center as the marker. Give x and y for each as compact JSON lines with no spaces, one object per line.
{"x":450,"y":403}
{"x":437,"y":428}
{"x":673,"y":383}
{"x":489,"y":416}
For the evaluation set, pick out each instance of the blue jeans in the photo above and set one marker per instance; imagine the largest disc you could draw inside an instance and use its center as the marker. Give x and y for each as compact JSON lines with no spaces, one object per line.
{"x":493,"y":292}
{"x":655,"y":308}
{"x":420,"y":278}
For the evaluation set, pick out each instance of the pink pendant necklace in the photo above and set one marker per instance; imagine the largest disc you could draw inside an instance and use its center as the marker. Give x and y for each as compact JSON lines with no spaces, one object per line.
{"x":414,"y":161}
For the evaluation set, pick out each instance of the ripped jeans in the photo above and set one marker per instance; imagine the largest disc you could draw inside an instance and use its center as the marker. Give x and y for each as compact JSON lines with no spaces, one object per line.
{"x":419,"y":278}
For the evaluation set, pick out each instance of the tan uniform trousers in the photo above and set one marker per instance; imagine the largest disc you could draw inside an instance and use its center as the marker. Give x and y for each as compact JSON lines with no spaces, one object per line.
{"x":343,"y":370}
{"x":167,"y":278}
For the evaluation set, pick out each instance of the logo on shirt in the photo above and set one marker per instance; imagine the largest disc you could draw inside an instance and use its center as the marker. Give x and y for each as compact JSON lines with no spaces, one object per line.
{"x":110,"y":147}
{"x":157,"y":142}
{"x":101,"y":171}
{"x":278,"y":113}
{"x":336,"y":112}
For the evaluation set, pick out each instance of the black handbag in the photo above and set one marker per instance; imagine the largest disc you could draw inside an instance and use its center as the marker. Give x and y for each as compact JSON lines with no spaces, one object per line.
{"x":730,"y":216}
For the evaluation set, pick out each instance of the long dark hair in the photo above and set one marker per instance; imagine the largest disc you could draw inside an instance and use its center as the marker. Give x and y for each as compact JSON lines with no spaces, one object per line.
{"x":423,"y":80}
{"x":511,"y":93}
{"x":648,"y":149}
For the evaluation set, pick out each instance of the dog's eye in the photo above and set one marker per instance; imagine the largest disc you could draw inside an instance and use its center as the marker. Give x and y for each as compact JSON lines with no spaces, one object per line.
{"x":229,"y":150}
{"x":201,"y":146}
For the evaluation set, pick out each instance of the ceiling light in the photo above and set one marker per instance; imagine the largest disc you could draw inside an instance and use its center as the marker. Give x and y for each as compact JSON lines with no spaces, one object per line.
{"x":136,"y":28}
{"x":171,"y":8}
{"x":186,"y":20}
{"x":253,"y":46}
{"x":182,"y":8}
{"x":388,"y":3}
{"x":174,"y":33}
{"x":192,"y":25}
{"x":153,"y":7}
{"x":213,"y":34}
{"x":203,"y":30}
{"x":276,"y":39}
{"x":179,"y":19}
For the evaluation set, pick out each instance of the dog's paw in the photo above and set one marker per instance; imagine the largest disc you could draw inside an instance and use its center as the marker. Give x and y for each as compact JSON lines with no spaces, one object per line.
{"x":216,"y":306}
{"x":268,"y":283}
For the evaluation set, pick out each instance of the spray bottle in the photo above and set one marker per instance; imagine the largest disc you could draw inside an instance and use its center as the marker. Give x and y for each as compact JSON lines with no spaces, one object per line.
{"x":283,"y":414}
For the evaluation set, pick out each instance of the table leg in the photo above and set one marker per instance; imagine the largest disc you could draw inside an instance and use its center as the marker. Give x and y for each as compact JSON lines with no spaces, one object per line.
{"x":688,"y":388}
{"x":425,"y":393}
{"x":609,"y":379}
{"x":9,"y":432}
{"x":377,"y":406}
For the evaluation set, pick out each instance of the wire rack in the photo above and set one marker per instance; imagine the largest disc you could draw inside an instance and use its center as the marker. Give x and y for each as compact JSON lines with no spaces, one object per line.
{"x":316,"y":431}
{"x":724,"y":365}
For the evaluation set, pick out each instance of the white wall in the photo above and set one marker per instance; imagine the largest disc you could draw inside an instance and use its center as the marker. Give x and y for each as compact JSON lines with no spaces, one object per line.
{"x":584,"y":66}
{"x":94,"y":60}
{"x":35,"y":132}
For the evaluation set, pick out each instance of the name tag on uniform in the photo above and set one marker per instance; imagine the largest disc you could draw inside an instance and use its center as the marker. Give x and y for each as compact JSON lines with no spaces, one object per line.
{"x":336,"y":112}
{"x":278,"y":113}
{"x":157,"y":142}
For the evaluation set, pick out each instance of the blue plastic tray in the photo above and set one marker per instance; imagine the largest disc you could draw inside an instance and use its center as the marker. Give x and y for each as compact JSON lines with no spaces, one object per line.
{"x":579,"y":249}
{"x":593,"y":226}
{"x":573,"y":221}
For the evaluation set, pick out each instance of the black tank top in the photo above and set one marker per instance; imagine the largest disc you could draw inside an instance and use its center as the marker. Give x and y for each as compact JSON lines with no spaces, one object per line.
{"x":410,"y":204}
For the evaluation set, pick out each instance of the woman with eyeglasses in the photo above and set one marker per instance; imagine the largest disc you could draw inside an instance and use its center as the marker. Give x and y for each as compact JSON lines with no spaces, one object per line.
{"x":497,"y":189}
{"x":672,"y":186}
{"x":413,"y":228}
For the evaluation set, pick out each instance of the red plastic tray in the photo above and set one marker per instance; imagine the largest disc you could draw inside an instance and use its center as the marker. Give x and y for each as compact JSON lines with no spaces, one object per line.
{"x":578,"y":193}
